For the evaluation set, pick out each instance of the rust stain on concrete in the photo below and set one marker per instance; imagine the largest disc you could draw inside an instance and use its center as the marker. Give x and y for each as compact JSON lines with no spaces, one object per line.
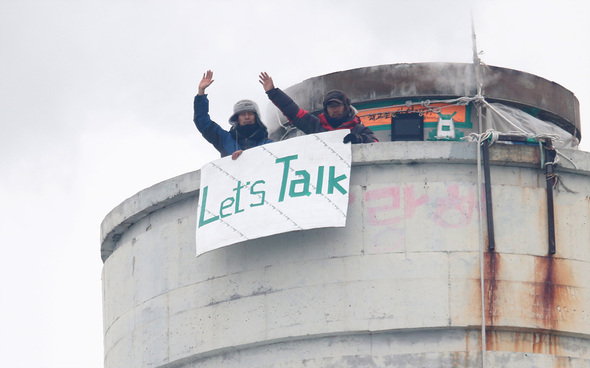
{"x":554,"y":300}
{"x":524,"y":342}
{"x":545,"y":305}
{"x":492,"y":269}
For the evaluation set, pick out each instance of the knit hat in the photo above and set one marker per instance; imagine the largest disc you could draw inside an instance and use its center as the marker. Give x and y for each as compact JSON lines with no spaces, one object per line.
{"x":244,"y":106}
{"x":337,"y":96}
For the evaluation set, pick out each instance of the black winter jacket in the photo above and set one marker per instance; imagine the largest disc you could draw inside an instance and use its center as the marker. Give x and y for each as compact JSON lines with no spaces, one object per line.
{"x":310,"y":124}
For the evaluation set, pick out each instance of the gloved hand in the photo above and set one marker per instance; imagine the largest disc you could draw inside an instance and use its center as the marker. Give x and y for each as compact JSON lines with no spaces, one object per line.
{"x":353,"y":138}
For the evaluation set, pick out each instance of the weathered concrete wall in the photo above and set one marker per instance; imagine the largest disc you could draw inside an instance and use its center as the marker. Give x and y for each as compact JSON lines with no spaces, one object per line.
{"x":398,"y":287}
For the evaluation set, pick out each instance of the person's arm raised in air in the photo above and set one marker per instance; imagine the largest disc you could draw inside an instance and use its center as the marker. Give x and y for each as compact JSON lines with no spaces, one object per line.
{"x":205,"y":82}
{"x":308,"y":123}
{"x":210,"y":130}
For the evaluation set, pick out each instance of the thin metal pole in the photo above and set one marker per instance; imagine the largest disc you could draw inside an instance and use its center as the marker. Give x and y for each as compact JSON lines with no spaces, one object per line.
{"x":478,"y":83}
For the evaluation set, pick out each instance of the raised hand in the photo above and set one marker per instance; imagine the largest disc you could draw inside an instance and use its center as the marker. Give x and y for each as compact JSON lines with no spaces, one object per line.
{"x":205,"y":82}
{"x":266,"y":81}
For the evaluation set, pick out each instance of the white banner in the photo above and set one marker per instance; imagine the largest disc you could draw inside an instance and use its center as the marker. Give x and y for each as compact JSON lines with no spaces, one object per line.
{"x":297,"y":184}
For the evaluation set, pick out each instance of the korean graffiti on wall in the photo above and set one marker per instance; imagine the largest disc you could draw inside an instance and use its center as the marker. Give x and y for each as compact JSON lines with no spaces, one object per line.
{"x":395,"y":214}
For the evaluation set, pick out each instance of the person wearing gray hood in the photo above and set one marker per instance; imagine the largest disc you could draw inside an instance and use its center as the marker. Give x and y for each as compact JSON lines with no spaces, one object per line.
{"x":247,"y":130}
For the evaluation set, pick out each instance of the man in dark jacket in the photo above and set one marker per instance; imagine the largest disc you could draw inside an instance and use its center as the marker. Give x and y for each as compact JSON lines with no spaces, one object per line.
{"x":338,"y":114}
{"x":247,"y":129}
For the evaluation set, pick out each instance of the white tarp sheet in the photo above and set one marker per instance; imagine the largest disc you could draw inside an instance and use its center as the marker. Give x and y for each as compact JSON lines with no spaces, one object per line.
{"x":297,"y":184}
{"x":527,"y":123}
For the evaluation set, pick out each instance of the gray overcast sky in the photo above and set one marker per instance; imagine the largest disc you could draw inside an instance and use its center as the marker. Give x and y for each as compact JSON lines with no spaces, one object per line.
{"x":96,"y":105}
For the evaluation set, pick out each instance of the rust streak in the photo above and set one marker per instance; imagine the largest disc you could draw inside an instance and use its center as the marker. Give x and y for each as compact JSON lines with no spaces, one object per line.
{"x":547,"y":306}
{"x":491,"y":340}
{"x":555,"y":298}
{"x":539,"y":342}
{"x":492,"y":263}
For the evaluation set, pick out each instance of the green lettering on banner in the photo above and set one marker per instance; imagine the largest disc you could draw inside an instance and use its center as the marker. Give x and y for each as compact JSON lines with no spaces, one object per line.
{"x":286,"y":160}
{"x":202,"y":220}
{"x":304,"y":181}
{"x":261,"y":192}
{"x":237,"y":190}
{"x":224,"y":206}
{"x":320,"y":182}
{"x":333,"y":182}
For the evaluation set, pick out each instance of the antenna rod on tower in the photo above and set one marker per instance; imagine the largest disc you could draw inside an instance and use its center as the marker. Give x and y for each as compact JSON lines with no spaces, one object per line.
{"x":476,"y":60}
